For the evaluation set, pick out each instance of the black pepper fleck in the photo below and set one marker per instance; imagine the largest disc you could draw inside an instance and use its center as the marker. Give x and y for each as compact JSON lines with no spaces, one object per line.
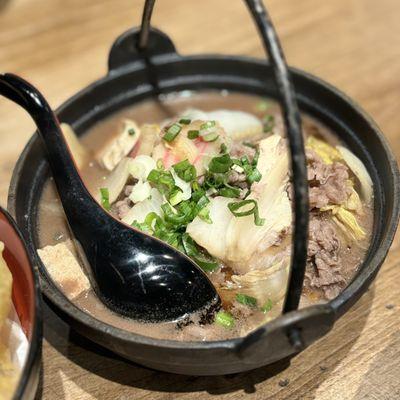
{"x":323,"y":368}
{"x":284,"y":382}
{"x":389,"y":306}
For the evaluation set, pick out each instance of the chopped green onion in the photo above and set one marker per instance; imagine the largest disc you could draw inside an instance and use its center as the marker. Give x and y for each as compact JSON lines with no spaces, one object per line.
{"x":162,"y":180}
{"x":185,"y":121}
{"x":141,"y":226}
{"x":105,"y":199}
{"x":193,"y":134}
{"x":256,"y":156}
{"x":204,"y":214}
{"x":131,"y":132}
{"x":197,"y":193}
{"x":237,"y":168}
{"x":182,"y":166}
{"x":172,"y":132}
{"x":176,"y":196}
{"x":249,"y":144}
{"x":176,"y":217}
{"x":223,"y":148}
{"x":263,"y":105}
{"x":160,"y":164}
{"x":211,"y":137}
{"x":267,"y":306}
{"x":191,"y":249}
{"x":207,"y":266}
{"x":202,"y":202}
{"x":246,"y":300}
{"x":254,"y":176}
{"x":220,"y":164}
{"x":224,"y":319}
{"x":236,"y":206}
{"x":153,"y":220}
{"x":207,"y":125}
{"x":268,"y":123}
{"x":185,"y":171}
{"x":230,"y":192}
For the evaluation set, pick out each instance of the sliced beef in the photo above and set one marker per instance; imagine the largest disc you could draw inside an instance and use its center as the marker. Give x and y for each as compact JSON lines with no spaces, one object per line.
{"x":328,"y":183}
{"x":324,"y":264}
{"x":239,"y":150}
{"x":122,"y":207}
{"x":123,"y":204}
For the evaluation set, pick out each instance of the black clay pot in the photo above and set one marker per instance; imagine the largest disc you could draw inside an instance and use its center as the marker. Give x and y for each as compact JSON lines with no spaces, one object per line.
{"x":134,"y":76}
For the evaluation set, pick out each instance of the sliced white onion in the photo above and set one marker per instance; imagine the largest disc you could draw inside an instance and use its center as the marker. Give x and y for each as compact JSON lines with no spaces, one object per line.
{"x":79,"y":152}
{"x":359,"y":170}
{"x":184,"y":186}
{"x":243,"y":236}
{"x":140,"y":167}
{"x":141,"y":191}
{"x":213,"y":236}
{"x":264,"y":284}
{"x":237,"y":124}
{"x":140,"y":210}
{"x":116,"y":181}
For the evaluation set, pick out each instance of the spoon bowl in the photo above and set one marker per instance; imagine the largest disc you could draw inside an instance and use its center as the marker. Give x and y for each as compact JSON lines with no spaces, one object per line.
{"x":134,"y":274}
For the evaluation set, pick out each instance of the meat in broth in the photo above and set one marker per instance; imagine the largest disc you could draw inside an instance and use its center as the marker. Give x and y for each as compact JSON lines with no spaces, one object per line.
{"x":213,"y":180}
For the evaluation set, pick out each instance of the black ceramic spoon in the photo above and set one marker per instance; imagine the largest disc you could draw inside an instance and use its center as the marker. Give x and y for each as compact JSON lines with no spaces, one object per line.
{"x":133,"y":274}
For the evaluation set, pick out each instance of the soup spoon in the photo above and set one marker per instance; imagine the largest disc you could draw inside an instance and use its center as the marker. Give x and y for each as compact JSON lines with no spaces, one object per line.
{"x":134,"y":274}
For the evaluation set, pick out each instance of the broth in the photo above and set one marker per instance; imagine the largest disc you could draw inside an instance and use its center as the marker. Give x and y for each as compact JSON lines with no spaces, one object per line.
{"x":53,"y":228}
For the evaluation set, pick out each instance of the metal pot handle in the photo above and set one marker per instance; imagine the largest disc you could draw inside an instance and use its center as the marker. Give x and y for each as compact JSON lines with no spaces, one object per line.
{"x":144,"y":43}
{"x":293,"y":127}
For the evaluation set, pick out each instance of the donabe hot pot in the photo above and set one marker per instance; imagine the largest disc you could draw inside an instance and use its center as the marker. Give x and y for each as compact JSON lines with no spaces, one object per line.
{"x":143,"y":64}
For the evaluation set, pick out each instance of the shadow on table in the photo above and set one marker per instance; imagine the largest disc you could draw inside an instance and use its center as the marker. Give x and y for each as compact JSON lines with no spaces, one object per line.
{"x":101,"y":362}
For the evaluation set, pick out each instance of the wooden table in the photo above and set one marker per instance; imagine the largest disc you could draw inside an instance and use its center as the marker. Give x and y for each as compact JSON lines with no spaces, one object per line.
{"x":61,"y":46}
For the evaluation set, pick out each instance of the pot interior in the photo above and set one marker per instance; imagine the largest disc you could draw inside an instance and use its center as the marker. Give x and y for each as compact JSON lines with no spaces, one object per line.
{"x":123,"y":89}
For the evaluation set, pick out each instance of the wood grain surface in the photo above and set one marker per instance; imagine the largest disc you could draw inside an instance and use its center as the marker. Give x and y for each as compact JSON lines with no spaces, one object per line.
{"x":62,"y":45}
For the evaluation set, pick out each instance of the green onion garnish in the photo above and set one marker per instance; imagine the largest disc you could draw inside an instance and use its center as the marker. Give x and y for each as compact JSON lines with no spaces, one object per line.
{"x":162,"y":180}
{"x":235,"y":208}
{"x":230,"y":192}
{"x":174,"y":217}
{"x":220,"y":164}
{"x":176,"y":196}
{"x":193,"y":134}
{"x":224,"y":319}
{"x":249,"y":144}
{"x":191,"y":249}
{"x":223,"y":148}
{"x":254,"y":176}
{"x":210,"y":137}
{"x":267,"y":306}
{"x":105,"y":198}
{"x":246,"y":300}
{"x":204,"y":214}
{"x":185,"y":171}
{"x":172,"y":132}
{"x":207,"y":125}
{"x":160,"y":164}
{"x":185,"y":121}
{"x":268,"y":123}
{"x":131,"y":132}
{"x":263,"y":105}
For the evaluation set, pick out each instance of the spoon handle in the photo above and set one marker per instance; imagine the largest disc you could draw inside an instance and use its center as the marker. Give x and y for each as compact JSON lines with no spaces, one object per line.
{"x":75,"y":197}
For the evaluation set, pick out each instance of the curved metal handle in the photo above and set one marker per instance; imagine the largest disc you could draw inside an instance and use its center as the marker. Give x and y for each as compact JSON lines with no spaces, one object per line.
{"x":298,"y":160}
{"x":292,"y":121}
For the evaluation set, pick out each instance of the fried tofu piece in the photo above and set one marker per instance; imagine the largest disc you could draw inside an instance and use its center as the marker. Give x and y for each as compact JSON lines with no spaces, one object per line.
{"x":119,"y":146}
{"x":65,"y":269}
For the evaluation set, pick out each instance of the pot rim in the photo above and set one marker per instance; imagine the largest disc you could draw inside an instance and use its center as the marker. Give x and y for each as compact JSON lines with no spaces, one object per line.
{"x":338,"y":305}
{"x":35,"y":343}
